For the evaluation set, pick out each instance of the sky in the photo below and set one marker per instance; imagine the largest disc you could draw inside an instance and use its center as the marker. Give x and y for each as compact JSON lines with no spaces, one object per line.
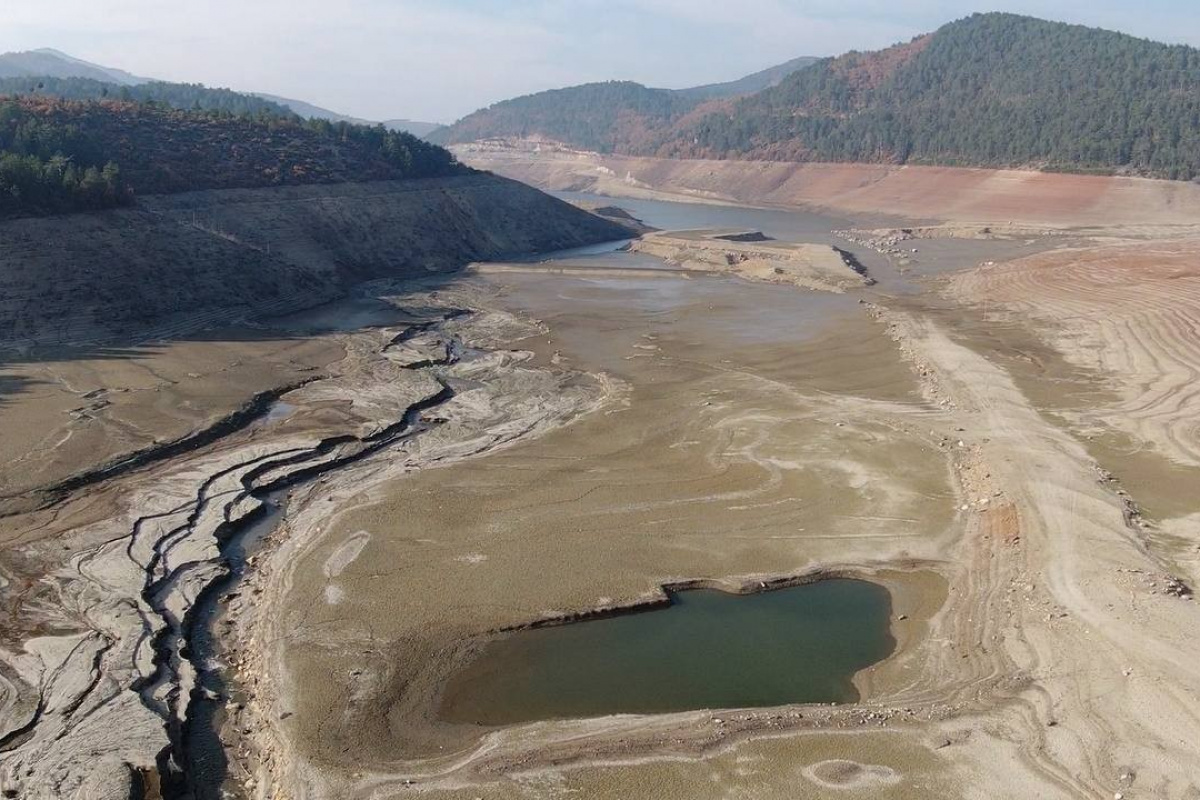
{"x":437,"y":60}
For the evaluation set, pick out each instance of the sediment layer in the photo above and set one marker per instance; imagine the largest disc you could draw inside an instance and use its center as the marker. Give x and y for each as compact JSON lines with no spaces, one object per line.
{"x":181,"y":263}
{"x":909,"y":192}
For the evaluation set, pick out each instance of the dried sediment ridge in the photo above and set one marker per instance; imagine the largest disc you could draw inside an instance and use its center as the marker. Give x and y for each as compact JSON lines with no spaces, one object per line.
{"x":1098,"y":726}
{"x":1128,"y":312}
{"x":749,"y":254}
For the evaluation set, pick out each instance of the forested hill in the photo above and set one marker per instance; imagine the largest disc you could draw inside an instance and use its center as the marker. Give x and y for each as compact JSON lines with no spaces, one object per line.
{"x":59,"y":156}
{"x":991,"y":90}
{"x":183,"y":96}
{"x":613,"y":116}
{"x":616,"y":116}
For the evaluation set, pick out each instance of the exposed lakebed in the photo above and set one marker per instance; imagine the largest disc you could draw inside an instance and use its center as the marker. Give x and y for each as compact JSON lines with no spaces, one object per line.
{"x":747,"y":429}
{"x":707,"y":649}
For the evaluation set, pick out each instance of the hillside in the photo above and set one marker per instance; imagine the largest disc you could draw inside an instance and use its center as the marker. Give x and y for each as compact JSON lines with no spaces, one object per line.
{"x":616,"y":116}
{"x":181,"y":96}
{"x":609,"y":117}
{"x":58,"y":156}
{"x":954,"y":195}
{"x":182,"y":262}
{"x":310,"y":111}
{"x":993,"y":90}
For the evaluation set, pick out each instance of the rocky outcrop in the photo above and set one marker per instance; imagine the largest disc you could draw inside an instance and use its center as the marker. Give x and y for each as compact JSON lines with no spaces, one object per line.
{"x":752,"y":255}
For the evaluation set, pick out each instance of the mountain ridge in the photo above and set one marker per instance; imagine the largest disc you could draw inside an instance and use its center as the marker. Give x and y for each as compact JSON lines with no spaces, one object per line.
{"x":609,"y":116}
{"x":46,"y":62}
{"x":53,"y":63}
{"x":755,"y":82}
{"x":992,"y":90}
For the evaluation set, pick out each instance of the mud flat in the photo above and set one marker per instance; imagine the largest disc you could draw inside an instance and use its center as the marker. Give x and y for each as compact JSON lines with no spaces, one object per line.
{"x":512,"y":452}
{"x":757,"y":437}
{"x":761,"y":434}
{"x":109,"y":575}
{"x":73,"y":416}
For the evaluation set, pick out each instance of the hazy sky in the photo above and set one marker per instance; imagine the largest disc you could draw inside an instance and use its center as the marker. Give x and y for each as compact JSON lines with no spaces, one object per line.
{"x":437,"y":61}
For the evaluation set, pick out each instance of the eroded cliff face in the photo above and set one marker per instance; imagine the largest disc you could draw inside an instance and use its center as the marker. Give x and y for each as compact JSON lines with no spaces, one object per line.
{"x":179,"y":263}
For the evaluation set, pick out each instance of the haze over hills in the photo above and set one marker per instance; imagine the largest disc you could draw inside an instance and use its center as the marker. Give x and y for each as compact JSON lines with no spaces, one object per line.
{"x":993,"y":90}
{"x":310,"y":111}
{"x":68,"y":73}
{"x":56,"y":64}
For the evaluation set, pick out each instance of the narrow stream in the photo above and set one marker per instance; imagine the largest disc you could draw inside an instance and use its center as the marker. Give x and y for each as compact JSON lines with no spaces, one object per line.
{"x":207,"y":767}
{"x":204,"y":771}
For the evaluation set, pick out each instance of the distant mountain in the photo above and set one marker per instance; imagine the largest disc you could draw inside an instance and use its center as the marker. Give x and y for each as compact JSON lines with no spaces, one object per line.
{"x":310,"y":111}
{"x":990,"y":90}
{"x":752,"y":83}
{"x":49,"y":63}
{"x":421,"y":129}
{"x":618,"y":116}
{"x":615,"y":116}
{"x":995,"y":90}
{"x":56,"y":64}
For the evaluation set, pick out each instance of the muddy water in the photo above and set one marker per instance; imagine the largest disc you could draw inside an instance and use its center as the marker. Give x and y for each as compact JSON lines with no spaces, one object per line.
{"x":708,"y":649}
{"x":932,"y":257}
{"x":792,"y":226}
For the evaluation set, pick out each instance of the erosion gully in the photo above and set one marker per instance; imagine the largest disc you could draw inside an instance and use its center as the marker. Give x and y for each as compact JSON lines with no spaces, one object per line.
{"x":195,"y":767}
